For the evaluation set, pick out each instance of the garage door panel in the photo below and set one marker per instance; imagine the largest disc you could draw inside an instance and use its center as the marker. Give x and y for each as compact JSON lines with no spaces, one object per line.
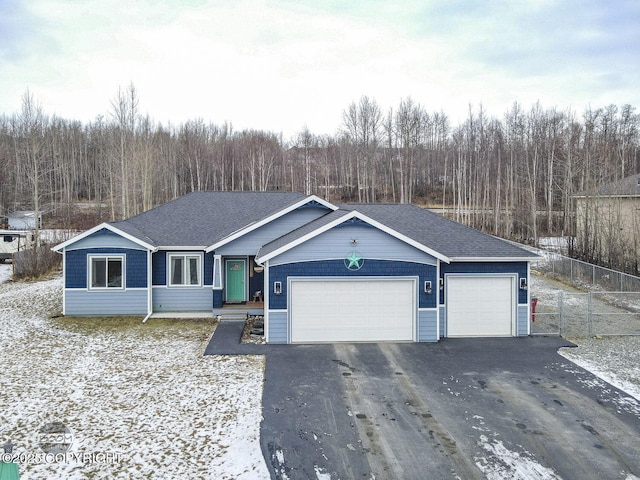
{"x":480,"y":306}
{"x":352,"y":310}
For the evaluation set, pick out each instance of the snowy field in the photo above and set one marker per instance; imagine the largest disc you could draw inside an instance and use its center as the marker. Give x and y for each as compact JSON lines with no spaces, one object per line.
{"x":139,"y":401}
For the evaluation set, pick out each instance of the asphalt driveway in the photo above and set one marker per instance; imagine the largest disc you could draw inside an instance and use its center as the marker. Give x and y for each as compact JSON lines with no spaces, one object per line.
{"x":467,"y":408}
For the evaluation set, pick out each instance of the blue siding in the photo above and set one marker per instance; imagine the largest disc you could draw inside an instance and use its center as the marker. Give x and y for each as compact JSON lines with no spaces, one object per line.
{"x":256,"y":281}
{"x":104,"y":239}
{"x":278,"y":326}
{"x":522,"y":325}
{"x":427,"y":326}
{"x":336,"y":268}
{"x":182,"y":299}
{"x":443,"y":321}
{"x":208,"y":269}
{"x":488,"y":267}
{"x":218,"y":299}
{"x":159,"y":268}
{"x":76,"y":265}
{"x":87,"y":303}
{"x":250,"y":243}
{"x":336,"y":244}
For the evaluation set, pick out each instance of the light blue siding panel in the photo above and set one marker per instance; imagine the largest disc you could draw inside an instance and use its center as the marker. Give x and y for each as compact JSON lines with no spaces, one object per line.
{"x":443,"y":321}
{"x":278,"y":327}
{"x":337,"y":243}
{"x":523,"y":321}
{"x":104,"y":238}
{"x":250,"y":243}
{"x":182,"y":299}
{"x":427,"y":326}
{"x":86,"y":303}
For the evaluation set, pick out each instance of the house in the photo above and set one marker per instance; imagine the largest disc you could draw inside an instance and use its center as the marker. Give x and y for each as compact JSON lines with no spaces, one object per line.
{"x":318,"y":272}
{"x":608,"y":221}
{"x":24,"y":220}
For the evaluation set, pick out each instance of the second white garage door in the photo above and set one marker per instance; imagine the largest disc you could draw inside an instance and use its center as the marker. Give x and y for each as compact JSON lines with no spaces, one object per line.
{"x":352,"y":310}
{"x":480,"y":306}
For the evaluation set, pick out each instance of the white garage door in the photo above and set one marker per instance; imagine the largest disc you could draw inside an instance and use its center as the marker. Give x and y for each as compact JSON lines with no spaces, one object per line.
{"x":480,"y":306}
{"x":352,"y":310}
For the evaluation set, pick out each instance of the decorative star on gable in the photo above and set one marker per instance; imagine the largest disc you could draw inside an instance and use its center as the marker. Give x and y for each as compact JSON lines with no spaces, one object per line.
{"x":354,"y":262}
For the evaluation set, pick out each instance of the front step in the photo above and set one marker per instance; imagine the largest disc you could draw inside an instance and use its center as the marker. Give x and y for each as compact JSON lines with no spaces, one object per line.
{"x":233,"y":317}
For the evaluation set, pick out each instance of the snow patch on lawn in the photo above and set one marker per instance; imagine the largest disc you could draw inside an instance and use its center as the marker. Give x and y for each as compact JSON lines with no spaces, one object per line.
{"x":504,"y":463}
{"x":613,"y":359}
{"x":6,"y":272}
{"x":143,"y":393}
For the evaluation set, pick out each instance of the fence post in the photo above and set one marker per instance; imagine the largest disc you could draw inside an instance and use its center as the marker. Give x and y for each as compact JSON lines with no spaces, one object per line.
{"x":589,"y":316}
{"x":560,"y":319}
{"x":593,"y":275}
{"x":571,"y":268}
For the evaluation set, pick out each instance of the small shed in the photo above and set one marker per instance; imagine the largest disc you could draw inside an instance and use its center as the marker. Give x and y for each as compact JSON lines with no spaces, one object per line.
{"x":23,"y":220}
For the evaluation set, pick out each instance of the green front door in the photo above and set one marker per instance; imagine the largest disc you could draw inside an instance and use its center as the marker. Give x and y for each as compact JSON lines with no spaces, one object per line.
{"x":235,"y":280}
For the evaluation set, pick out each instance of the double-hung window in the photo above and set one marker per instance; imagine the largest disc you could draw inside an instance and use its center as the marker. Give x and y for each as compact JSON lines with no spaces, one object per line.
{"x":106,"y":271}
{"x":184,"y":270}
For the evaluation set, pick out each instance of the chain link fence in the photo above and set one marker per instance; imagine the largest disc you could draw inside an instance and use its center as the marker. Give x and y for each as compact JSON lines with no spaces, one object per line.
{"x":582,"y":274}
{"x":608,"y":305}
{"x":572,"y":314}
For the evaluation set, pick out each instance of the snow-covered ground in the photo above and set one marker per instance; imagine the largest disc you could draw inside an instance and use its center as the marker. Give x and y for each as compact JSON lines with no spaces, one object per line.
{"x":6,"y":272}
{"x":139,"y":401}
{"x":613,"y":359}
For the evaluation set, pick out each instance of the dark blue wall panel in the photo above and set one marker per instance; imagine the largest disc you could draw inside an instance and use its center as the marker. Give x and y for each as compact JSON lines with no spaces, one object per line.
{"x":135,"y":263}
{"x":336,"y":268}
{"x":217,"y":299}
{"x":159,"y":268}
{"x":487,"y":267}
{"x":208,"y":269}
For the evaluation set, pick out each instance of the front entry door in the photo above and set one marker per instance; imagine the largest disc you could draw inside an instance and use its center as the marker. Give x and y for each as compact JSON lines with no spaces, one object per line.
{"x":235,"y":280}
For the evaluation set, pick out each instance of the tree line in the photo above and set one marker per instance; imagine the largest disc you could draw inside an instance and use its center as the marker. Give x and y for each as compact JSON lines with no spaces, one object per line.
{"x":513,"y":176}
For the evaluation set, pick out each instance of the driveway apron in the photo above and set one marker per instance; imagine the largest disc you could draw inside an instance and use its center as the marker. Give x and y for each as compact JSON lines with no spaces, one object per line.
{"x":467,"y":408}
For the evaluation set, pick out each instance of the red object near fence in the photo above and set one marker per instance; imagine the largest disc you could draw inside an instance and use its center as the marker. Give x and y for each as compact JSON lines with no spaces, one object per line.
{"x":534,"y":302}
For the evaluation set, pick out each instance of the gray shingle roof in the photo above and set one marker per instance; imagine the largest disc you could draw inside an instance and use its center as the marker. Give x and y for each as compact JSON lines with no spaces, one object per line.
{"x":436,"y":232}
{"x":203,"y":218}
{"x":445,"y":236}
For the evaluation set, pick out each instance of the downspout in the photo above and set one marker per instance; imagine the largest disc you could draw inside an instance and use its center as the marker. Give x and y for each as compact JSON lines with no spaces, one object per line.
{"x":64,"y":281}
{"x":267,"y":292}
{"x":149,"y":287}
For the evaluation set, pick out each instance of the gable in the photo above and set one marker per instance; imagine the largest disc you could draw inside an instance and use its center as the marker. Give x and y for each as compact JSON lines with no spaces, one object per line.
{"x":250,"y":242}
{"x":353,"y":235}
{"x":104,"y":238}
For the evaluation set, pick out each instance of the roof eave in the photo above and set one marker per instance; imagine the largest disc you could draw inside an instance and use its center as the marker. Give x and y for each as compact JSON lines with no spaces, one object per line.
{"x":495,"y":259}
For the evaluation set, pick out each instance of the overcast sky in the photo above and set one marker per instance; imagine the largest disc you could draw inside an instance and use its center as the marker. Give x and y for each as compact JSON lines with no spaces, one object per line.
{"x":281,"y":65}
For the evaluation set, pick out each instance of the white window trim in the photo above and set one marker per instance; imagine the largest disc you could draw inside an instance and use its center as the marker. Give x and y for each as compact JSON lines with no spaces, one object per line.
{"x":185,"y":255}
{"x":92,"y":257}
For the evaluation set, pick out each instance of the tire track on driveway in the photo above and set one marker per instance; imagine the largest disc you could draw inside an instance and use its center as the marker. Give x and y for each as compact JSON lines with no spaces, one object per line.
{"x":400,"y":434}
